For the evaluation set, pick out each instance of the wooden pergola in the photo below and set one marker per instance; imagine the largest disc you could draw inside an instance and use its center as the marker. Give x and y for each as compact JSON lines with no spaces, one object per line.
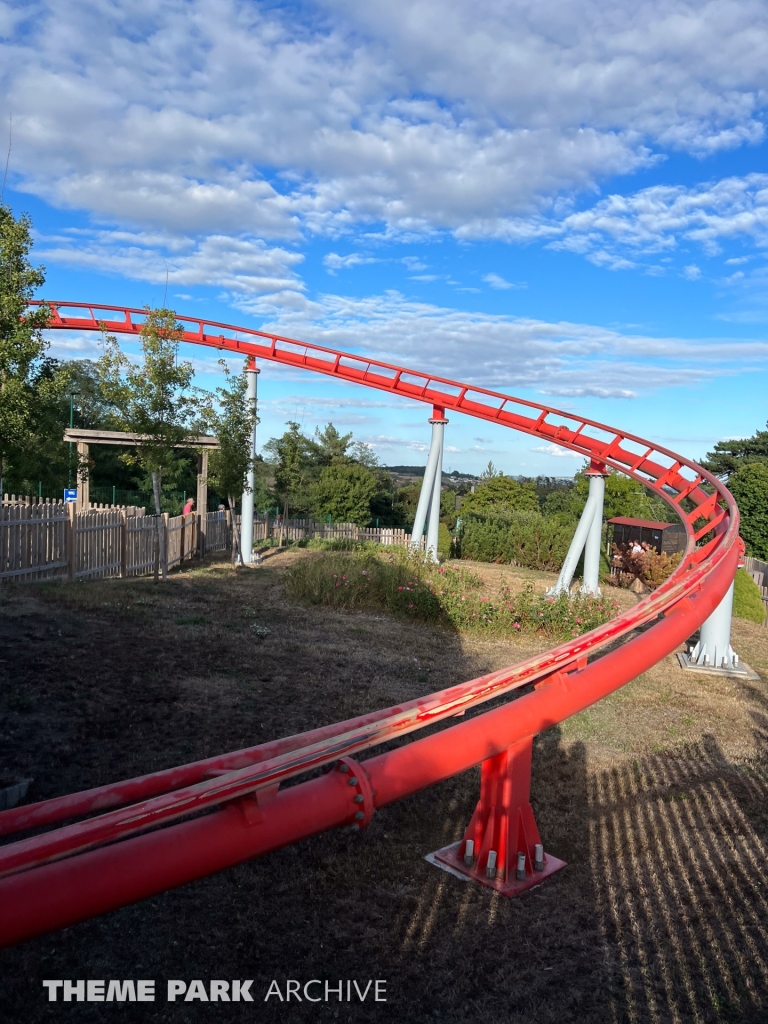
{"x":85,"y":438}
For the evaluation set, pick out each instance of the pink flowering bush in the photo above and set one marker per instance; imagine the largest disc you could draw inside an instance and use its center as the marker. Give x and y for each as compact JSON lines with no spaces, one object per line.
{"x":402,"y":584}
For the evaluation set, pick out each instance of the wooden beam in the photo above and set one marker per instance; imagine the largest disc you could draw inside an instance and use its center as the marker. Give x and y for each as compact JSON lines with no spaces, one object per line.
{"x":126,"y":438}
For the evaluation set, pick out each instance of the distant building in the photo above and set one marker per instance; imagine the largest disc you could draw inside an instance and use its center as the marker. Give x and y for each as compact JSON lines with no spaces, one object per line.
{"x":666,"y":537}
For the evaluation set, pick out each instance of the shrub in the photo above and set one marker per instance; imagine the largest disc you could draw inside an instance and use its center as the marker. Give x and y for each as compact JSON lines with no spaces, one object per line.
{"x":649,"y":565}
{"x":340,"y":544}
{"x":444,"y":541}
{"x":525,"y":538}
{"x":402,"y":584}
{"x":747,"y":603}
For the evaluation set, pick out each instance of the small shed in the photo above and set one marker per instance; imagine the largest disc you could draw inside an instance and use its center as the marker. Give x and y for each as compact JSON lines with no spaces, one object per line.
{"x":666,"y":537}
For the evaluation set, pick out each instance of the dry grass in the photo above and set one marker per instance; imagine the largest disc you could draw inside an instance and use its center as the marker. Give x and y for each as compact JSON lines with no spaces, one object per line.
{"x":656,"y":797}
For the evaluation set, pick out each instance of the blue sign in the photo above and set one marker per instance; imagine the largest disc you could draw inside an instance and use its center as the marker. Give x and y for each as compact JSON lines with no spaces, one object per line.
{"x":70,"y":494}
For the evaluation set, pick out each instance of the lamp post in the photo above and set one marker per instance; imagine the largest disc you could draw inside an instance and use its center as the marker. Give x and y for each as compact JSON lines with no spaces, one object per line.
{"x":71,"y":425}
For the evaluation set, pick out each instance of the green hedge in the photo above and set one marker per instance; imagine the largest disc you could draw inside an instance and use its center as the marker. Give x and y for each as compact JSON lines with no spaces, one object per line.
{"x":747,"y":603}
{"x":527,"y":538}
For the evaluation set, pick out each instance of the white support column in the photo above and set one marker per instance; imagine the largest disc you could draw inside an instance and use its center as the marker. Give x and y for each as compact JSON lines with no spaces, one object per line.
{"x":428,"y":483}
{"x":592,"y":510}
{"x":714,"y":647}
{"x":591,"y":582}
{"x":246,"y":519}
{"x":438,"y":429}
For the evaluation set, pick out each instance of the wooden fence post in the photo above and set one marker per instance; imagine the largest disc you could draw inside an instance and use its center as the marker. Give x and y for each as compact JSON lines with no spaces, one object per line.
{"x":123,"y":543}
{"x":165,"y":543}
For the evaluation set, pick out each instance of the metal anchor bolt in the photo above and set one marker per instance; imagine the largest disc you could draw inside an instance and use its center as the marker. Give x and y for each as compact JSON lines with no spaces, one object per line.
{"x":469,"y":852}
{"x":490,"y":868}
{"x":521,"y":867}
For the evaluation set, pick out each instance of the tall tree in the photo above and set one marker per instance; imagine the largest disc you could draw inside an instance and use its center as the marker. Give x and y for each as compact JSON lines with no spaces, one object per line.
{"x":728,"y":456}
{"x":490,"y":472}
{"x":233,"y":424}
{"x":749,"y":486}
{"x":295,"y":461}
{"x":331,"y":446}
{"x":155,"y":399}
{"x":26,"y":376}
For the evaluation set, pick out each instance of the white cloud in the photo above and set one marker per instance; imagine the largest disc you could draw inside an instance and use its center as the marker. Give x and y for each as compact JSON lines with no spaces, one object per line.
{"x":692,"y":272}
{"x":556,"y":451}
{"x":413,"y":263}
{"x":243,"y":265}
{"x":618,"y":230}
{"x":498,"y":282}
{"x":333,"y":262}
{"x":219,"y":117}
{"x":506,"y":352}
{"x":590,"y":392}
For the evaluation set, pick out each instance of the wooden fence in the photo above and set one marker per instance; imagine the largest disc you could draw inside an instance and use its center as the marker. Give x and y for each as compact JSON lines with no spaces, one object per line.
{"x":181,"y":538}
{"x":51,"y":541}
{"x":265,"y":527}
{"x":34,"y":541}
{"x":218,"y":536}
{"x":140,"y":545}
{"x":759,"y":572}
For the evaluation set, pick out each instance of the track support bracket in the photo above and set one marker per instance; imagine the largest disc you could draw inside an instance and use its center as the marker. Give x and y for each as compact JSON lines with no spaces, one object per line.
{"x":501,"y":848}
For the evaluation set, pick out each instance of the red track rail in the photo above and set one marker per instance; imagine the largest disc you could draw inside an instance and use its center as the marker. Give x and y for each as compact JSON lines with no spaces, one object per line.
{"x":58,"y":877}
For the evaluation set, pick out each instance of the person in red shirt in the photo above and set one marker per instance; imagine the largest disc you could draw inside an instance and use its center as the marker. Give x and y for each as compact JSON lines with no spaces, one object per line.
{"x":189,"y":506}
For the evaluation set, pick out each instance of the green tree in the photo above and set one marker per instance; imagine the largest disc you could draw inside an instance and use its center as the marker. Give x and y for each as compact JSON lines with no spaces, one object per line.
{"x":294,"y":460}
{"x":330,"y":446}
{"x":27,"y":378}
{"x":154,"y":399}
{"x":729,"y":456}
{"x":490,"y":472}
{"x":233,"y":424}
{"x":624,"y":496}
{"x":500,"y":495}
{"x":345,"y":492}
{"x":749,"y":486}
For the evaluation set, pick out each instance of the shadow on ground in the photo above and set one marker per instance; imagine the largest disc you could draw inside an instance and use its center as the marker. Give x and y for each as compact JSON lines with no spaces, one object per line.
{"x":661,"y":914}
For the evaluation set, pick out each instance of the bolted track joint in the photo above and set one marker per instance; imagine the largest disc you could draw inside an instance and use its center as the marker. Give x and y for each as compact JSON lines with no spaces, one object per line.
{"x":361,"y":802}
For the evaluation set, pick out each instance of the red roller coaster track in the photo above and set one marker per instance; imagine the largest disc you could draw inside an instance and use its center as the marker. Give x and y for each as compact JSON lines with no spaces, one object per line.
{"x":79,"y":870}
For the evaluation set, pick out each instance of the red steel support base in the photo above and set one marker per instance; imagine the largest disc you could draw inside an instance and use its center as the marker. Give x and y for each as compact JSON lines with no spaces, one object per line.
{"x":503,"y":823}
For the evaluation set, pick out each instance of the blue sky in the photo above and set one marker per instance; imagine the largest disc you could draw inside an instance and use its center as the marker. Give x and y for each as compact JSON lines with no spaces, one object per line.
{"x":566,"y":200}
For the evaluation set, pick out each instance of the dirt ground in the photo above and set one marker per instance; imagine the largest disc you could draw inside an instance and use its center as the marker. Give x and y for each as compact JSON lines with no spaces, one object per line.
{"x":655,"y":797}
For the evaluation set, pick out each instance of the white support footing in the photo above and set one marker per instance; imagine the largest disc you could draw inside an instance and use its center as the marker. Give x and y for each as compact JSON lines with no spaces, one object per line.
{"x":428,"y":508}
{"x":588,"y":536}
{"x":713,"y":654}
{"x":714,"y":647}
{"x":246,"y":517}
